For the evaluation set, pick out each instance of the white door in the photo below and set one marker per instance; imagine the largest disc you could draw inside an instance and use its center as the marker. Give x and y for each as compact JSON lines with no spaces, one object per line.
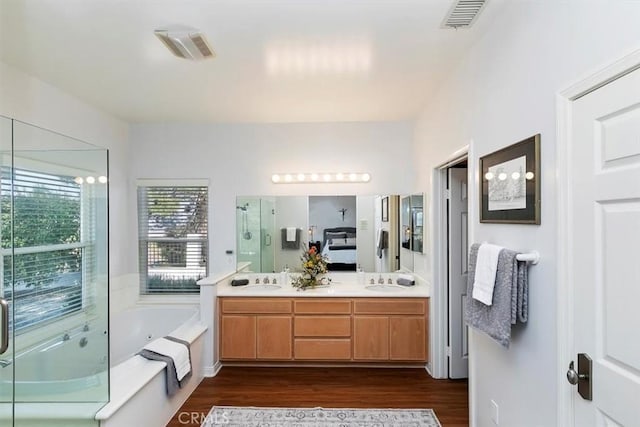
{"x":458,"y":250}
{"x":604,"y":249}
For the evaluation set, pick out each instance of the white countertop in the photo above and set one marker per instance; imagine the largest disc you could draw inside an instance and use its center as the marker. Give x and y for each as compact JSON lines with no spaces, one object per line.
{"x":342,"y":285}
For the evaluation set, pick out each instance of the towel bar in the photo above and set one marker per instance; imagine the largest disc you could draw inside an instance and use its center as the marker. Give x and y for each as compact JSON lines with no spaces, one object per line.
{"x":532,"y":257}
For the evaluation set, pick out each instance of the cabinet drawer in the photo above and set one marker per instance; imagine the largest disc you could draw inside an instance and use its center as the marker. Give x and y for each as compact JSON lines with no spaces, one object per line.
{"x":322,"y":326}
{"x":322,"y":306}
{"x":255,"y":305}
{"x":322,"y":349}
{"x":389,"y":306}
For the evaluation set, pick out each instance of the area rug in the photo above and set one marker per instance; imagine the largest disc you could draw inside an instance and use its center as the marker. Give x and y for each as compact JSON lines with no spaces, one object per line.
{"x":232,"y":416}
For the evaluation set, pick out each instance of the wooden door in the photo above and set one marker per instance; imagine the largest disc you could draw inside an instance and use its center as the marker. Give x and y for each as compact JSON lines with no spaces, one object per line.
{"x":238,"y":337}
{"x":371,"y":338}
{"x":407,"y":338}
{"x":274,"y":337}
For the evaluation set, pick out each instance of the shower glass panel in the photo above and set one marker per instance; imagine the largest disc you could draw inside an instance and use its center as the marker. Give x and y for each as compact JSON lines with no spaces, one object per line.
{"x":6,"y":289}
{"x":54,"y":199}
{"x":267,"y":238}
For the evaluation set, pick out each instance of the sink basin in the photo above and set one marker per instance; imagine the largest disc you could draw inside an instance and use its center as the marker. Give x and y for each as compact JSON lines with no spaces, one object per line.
{"x":385,"y":288}
{"x":261,"y":287}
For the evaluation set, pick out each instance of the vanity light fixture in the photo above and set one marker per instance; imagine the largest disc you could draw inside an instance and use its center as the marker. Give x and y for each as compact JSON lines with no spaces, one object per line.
{"x":339,"y":177}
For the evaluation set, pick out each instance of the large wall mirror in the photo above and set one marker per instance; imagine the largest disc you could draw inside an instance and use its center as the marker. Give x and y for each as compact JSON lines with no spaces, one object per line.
{"x":352,"y":231}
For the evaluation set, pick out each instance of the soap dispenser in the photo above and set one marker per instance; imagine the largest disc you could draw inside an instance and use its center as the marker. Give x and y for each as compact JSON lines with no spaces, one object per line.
{"x":284,"y":275}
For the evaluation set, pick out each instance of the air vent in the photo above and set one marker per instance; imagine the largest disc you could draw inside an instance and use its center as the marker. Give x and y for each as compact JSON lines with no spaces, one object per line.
{"x":187,"y":44}
{"x":463,"y":13}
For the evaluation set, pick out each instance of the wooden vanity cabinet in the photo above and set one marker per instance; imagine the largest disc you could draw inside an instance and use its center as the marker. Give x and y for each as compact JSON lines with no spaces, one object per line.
{"x":393,"y":329}
{"x":323,"y":329}
{"x":255,"y":329}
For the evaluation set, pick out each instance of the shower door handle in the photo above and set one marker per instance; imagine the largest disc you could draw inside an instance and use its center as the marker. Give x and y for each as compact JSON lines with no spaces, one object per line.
{"x":267,"y":242}
{"x":4,"y":313}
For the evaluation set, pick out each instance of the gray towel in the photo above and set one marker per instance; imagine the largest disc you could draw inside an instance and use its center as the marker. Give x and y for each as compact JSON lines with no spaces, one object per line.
{"x":172,"y":377}
{"x":290,"y":245}
{"x":510,"y":299}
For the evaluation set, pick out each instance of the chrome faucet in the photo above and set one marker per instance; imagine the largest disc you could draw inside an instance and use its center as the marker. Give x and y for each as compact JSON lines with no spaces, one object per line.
{"x":5,"y":362}
{"x":381,"y":280}
{"x":66,"y":337}
{"x":390,"y":282}
{"x":265,"y":280}
{"x":85,"y":328}
{"x":372,"y":281}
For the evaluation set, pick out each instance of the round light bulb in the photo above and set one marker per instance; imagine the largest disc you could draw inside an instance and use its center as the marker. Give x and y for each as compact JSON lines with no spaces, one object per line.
{"x":339,"y":177}
{"x":529,"y":175}
{"x":353,"y":177}
{"x":366,"y":177}
{"x":275,"y":178}
{"x":515,"y":175}
{"x":102,"y":179}
{"x":288,"y":178}
{"x":326,"y":177}
{"x":488,"y":176}
{"x":502,"y":176}
{"x":91,"y":180}
{"x":301,"y":177}
{"x":314,"y":177}
{"x":78,"y":180}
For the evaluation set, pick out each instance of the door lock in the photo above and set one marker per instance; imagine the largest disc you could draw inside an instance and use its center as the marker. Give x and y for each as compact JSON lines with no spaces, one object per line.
{"x":582,"y":377}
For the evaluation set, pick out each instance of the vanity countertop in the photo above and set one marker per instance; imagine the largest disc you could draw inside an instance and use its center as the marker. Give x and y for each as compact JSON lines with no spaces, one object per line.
{"x":342,"y":285}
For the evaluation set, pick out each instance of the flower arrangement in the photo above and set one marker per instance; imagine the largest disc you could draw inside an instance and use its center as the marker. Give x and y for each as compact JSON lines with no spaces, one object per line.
{"x":313,"y":265}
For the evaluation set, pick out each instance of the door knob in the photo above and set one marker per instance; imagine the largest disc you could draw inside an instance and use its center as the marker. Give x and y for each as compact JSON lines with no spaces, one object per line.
{"x":572,"y":375}
{"x":582,"y":377}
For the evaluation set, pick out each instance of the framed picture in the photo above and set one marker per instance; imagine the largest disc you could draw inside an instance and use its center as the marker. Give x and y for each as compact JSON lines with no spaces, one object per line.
{"x":385,"y":209}
{"x":510,"y":184}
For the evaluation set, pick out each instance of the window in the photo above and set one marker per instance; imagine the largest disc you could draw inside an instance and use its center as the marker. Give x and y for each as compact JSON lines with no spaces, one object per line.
{"x":173,"y":237}
{"x":51,"y":249}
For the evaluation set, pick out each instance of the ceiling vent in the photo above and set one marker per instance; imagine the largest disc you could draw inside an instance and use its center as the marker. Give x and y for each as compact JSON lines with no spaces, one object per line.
{"x":186,"y":43}
{"x":463,"y":13}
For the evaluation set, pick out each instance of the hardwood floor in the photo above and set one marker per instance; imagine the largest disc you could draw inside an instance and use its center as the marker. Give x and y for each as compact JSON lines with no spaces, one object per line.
{"x":329,"y":388}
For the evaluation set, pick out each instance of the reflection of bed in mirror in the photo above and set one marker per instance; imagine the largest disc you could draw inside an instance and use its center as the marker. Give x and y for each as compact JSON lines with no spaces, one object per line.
{"x":339,"y":247}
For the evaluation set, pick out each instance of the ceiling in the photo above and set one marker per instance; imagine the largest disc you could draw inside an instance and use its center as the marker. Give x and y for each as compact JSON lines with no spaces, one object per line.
{"x":277,"y":61}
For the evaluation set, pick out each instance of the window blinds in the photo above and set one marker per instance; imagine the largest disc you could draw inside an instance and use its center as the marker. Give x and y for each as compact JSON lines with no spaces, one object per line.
{"x":42,"y":247}
{"x":173,"y":237}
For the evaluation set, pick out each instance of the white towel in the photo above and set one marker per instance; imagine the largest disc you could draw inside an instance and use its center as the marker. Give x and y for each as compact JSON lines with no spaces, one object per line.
{"x":485,"y":278}
{"x":178,"y":352}
{"x":291,"y":234}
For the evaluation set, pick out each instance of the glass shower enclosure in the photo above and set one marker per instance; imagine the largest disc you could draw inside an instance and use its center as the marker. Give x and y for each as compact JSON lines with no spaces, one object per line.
{"x":54,"y":339}
{"x":256,"y":225}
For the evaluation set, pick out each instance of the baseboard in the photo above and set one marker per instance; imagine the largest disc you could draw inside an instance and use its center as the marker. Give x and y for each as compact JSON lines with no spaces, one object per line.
{"x":212,"y":371}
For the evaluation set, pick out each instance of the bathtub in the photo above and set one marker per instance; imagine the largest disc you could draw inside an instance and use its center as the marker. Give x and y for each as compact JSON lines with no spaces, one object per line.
{"x":137,"y":385}
{"x":67,"y":368}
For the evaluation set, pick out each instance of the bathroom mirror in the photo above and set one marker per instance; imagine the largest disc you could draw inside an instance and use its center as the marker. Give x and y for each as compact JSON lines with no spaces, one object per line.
{"x":412,"y":223}
{"x":352,"y":231}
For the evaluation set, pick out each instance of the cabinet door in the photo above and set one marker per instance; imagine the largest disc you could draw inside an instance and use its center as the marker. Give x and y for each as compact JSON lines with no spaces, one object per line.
{"x":238,"y":337}
{"x":274,"y":337}
{"x":370,"y":338}
{"x":407,"y":338}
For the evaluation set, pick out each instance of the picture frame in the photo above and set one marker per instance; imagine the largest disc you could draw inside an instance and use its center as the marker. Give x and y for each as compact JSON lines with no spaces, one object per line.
{"x":510,"y":184}
{"x":385,"y":209}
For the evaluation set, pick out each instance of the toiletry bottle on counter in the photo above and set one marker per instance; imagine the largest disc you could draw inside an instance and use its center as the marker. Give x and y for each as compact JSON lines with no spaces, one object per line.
{"x":284,"y":275}
{"x":360,"y":275}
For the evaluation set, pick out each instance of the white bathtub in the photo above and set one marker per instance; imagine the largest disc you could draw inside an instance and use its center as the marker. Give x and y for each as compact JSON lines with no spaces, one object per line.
{"x":137,"y":385}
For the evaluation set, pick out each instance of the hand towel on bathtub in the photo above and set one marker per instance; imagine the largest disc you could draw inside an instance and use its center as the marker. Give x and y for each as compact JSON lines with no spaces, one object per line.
{"x":176,"y":354}
{"x":496,"y":320}
{"x":485,"y":275}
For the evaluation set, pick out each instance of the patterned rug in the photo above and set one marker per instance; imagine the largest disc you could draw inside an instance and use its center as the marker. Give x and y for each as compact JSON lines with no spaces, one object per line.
{"x":232,"y":416}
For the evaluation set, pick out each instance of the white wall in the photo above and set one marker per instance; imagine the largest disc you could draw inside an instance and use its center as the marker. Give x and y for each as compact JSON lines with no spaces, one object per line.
{"x":503,"y":91}
{"x":33,"y":101}
{"x":239,"y":159}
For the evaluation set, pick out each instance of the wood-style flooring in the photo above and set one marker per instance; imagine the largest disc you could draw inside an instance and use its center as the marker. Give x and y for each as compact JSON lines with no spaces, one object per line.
{"x":329,"y":388}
